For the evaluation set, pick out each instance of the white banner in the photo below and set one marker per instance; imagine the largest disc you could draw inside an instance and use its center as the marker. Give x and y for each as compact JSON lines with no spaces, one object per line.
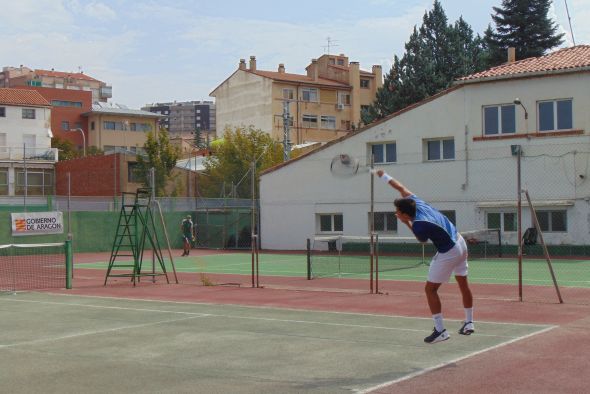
{"x":37,"y":223}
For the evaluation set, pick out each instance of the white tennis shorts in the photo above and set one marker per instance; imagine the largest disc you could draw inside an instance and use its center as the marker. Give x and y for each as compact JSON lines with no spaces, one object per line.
{"x":452,"y":262}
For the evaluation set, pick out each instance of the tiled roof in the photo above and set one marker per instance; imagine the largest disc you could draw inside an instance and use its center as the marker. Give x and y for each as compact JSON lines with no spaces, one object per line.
{"x":286,"y":77}
{"x":61,"y":74}
{"x":568,"y":59}
{"x":22,"y":97}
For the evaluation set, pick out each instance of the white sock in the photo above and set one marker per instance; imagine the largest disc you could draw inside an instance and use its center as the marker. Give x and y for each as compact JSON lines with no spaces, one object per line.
{"x":438,"y":322}
{"x":468,"y":314}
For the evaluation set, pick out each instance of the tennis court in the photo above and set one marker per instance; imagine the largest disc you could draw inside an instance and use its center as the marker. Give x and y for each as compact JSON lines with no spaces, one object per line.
{"x":569,"y":272}
{"x":67,"y":343}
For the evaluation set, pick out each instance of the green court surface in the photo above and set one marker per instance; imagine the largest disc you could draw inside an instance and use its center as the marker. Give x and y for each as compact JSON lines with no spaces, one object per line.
{"x":62,"y":343}
{"x":569,"y":272}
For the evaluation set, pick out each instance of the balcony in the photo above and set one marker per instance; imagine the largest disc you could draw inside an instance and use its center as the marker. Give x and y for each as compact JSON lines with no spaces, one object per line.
{"x":106,"y":92}
{"x":17,"y":153}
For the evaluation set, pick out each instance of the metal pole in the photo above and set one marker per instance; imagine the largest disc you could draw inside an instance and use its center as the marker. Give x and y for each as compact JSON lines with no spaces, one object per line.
{"x":25,"y":176}
{"x":286,"y":142}
{"x":519,"y":214}
{"x":69,"y":212}
{"x":253,"y":219}
{"x":372,"y":227}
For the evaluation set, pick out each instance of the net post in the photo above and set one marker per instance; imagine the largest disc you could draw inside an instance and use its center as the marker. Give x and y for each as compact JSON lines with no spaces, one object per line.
{"x":499,"y":243}
{"x":375,"y":242}
{"x":308,"y":259}
{"x":371,"y":264}
{"x":69,"y":263}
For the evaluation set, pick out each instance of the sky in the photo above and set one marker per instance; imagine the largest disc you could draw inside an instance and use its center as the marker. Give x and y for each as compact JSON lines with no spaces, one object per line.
{"x":161,"y":51}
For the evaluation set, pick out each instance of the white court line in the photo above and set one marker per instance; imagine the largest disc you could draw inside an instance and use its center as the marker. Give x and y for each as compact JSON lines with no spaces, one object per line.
{"x":82,"y":334}
{"x":280,"y":309}
{"x":456,"y":360}
{"x":373,"y":327}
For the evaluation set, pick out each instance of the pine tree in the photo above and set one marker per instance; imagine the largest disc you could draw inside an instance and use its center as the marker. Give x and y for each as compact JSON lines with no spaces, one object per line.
{"x":436,"y":54}
{"x":524,"y":25}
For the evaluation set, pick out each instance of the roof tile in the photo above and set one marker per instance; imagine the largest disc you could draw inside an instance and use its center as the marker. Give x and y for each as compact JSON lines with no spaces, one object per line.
{"x":564,"y":59}
{"x":24,"y":97}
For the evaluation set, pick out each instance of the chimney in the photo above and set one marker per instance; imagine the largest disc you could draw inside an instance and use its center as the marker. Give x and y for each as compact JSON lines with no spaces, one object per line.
{"x":511,"y":55}
{"x":314,"y":69}
{"x":252,"y":63}
{"x":281,"y":68}
{"x":242,"y":65}
{"x":378,"y":73}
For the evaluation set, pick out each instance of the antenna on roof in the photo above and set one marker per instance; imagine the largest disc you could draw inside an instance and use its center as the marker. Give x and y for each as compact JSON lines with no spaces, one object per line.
{"x":330,"y":44}
{"x":570,"y":21}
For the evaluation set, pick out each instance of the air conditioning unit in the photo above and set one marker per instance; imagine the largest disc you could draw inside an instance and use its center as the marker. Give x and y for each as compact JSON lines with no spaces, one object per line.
{"x":340,"y":107}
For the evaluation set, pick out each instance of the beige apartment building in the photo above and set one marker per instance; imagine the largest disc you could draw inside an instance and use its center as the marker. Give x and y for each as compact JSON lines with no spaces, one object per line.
{"x":323,"y":104}
{"x":116,"y":128}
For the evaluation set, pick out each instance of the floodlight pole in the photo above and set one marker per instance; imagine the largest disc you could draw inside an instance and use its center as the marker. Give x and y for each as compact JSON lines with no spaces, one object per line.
{"x":286,"y":142}
{"x":517,"y":149}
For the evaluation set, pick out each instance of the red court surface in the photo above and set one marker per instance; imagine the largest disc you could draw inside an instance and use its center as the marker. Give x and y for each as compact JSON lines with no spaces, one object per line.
{"x":551,"y":362}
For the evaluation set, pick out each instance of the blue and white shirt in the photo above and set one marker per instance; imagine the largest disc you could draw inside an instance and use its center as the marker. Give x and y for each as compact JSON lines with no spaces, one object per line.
{"x":431,"y":224}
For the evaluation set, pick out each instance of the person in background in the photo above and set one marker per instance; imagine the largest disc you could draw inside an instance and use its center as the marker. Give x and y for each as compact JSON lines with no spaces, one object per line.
{"x":188,"y":234}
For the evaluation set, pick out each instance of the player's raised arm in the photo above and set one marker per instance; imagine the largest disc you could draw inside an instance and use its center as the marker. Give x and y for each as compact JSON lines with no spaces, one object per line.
{"x":404,"y":191}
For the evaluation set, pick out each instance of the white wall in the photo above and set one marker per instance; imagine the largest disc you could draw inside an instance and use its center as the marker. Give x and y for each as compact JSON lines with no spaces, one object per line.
{"x":16,"y":127}
{"x":482,"y":177}
{"x":244,"y":99}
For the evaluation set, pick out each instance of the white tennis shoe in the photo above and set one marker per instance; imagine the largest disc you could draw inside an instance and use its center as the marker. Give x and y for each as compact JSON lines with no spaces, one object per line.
{"x":467,"y":328}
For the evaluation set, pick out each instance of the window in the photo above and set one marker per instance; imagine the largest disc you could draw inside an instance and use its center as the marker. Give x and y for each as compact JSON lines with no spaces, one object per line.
{"x":330,"y":222}
{"x":552,"y":221}
{"x":133,"y":172}
{"x":344,"y":98}
{"x":328,"y":122}
{"x":39,"y":182}
{"x":451,"y":215}
{"x":3,"y":147}
{"x":2,"y":112}
{"x":341,"y":62}
{"x":384,"y":153}
{"x":309,"y":94}
{"x":92,"y":126}
{"x":310,"y":121}
{"x":443,"y":149}
{"x":505,"y":221}
{"x":78,"y":125}
{"x":28,"y":113}
{"x":499,"y":119}
{"x":384,"y":221}
{"x":288,"y":94}
{"x":63,"y":103}
{"x":3,"y":181}
{"x":555,"y":115}
{"x":109,"y":125}
{"x":65,"y":125}
{"x":365,"y":83}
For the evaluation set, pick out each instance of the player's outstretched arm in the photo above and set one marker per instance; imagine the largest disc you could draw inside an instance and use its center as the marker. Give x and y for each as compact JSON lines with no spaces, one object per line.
{"x":404,"y":191}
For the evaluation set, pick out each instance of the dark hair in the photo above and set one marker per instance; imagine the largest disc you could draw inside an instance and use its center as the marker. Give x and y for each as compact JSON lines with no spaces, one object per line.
{"x":406,"y":205}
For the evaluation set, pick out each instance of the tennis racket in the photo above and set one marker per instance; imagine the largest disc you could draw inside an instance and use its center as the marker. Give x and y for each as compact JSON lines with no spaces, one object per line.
{"x":345,"y":165}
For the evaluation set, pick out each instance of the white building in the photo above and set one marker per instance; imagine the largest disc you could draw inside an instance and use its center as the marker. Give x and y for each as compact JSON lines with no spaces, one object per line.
{"x":455,"y":151}
{"x":26,"y":156}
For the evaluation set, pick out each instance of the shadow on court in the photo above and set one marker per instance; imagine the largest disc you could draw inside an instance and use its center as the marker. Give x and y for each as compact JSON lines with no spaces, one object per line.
{"x":71,"y":343}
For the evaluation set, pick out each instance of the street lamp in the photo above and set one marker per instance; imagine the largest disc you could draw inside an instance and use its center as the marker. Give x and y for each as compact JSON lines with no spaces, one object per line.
{"x":518,"y":102}
{"x":83,"y":138}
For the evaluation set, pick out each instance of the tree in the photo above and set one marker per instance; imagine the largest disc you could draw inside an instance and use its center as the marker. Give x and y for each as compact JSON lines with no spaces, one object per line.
{"x":524,"y":25}
{"x":162,"y":156}
{"x":227,"y":171}
{"x":65,"y":148}
{"x":436,"y":54}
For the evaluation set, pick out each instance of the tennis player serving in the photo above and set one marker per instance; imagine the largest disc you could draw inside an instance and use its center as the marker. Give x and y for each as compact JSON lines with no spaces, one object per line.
{"x":426,"y":223}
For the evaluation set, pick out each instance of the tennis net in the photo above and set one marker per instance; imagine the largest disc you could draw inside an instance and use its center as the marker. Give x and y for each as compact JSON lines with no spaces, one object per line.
{"x":483,"y":243}
{"x":35,"y":266}
{"x":345,"y":255}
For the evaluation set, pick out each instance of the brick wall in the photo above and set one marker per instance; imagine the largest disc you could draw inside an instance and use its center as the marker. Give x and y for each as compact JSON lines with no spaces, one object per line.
{"x":91,"y":176}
